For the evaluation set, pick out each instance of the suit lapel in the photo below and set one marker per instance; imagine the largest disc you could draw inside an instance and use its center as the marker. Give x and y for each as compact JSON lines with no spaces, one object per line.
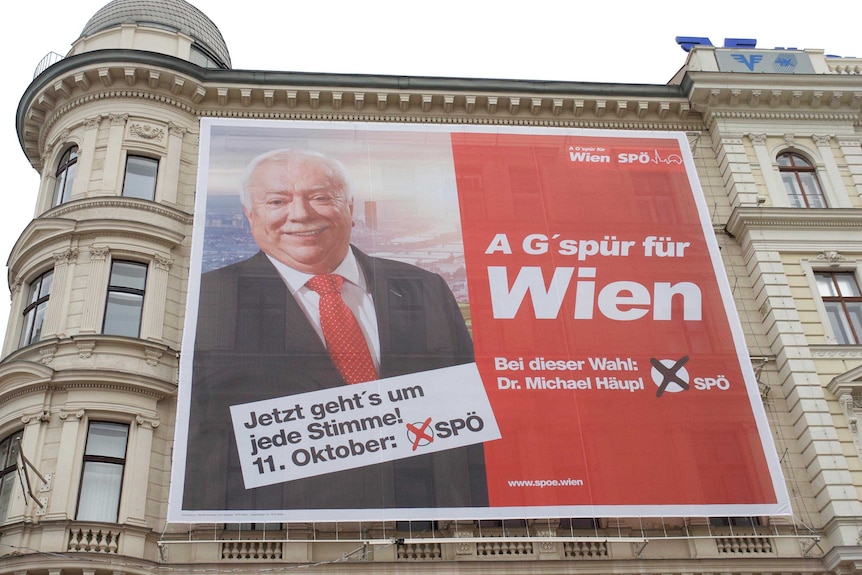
{"x":379,"y":289}
{"x":302,"y":346}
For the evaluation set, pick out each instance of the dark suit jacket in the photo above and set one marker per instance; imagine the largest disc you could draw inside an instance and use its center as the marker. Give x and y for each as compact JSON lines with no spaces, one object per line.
{"x":253,"y":343}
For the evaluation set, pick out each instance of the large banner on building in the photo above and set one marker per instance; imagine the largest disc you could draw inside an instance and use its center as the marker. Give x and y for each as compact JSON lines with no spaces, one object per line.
{"x":393,"y":322}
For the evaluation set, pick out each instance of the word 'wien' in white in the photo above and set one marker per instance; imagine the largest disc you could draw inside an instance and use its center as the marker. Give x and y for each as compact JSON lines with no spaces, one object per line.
{"x":619,"y":300}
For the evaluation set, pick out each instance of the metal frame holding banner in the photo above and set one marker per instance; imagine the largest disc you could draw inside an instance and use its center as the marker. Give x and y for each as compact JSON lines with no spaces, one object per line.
{"x":545,"y":315}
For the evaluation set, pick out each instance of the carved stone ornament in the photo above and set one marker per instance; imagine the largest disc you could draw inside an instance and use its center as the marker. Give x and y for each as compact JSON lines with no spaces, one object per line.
{"x":47,"y":354}
{"x":76,"y":414}
{"x":832,"y":257}
{"x":821,"y":140}
{"x":42,"y":417}
{"x":757,"y":138}
{"x":147,"y":421}
{"x":176,"y":130}
{"x":118,"y":119}
{"x":146,"y":131}
{"x":99,"y":252}
{"x":788,"y":139}
{"x":163,"y":262}
{"x":153,"y":356}
{"x":91,"y":123}
{"x":465,"y":548}
{"x":67,"y":256}
{"x":85,"y":349}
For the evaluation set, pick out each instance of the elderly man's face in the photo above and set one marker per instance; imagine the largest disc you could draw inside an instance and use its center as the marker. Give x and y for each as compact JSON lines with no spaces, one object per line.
{"x":299,"y":214}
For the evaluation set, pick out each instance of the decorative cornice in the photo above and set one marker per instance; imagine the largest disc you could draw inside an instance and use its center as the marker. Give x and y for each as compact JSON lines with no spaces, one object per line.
{"x":80,"y":371}
{"x":118,"y":202}
{"x":236,"y":93}
{"x":782,"y":116}
{"x":751,"y":218}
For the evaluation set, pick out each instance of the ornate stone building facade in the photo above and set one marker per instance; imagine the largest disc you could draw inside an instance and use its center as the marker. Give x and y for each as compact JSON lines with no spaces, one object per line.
{"x":88,"y":377}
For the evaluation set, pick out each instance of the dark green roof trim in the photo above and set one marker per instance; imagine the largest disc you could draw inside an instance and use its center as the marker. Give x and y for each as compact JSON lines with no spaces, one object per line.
{"x":327,"y":80}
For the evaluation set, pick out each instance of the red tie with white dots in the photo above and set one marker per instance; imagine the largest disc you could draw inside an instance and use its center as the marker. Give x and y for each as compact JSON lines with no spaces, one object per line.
{"x":344,"y":340}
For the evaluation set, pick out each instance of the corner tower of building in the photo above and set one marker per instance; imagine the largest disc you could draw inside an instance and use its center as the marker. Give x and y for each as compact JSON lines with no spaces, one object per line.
{"x":172,"y":27}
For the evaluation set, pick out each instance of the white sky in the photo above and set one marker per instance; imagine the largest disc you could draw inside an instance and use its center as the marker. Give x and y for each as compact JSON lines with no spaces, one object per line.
{"x":623,"y":41}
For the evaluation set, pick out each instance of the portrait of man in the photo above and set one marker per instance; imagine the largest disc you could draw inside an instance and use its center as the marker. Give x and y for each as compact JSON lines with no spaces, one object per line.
{"x":310,"y":311}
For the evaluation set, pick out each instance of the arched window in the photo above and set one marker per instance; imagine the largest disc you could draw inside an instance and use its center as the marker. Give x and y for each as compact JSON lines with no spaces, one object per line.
{"x":65,"y":176}
{"x":800,"y":181}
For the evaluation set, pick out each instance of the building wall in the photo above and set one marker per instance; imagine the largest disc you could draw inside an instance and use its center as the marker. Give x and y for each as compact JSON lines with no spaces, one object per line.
{"x":114,"y":103}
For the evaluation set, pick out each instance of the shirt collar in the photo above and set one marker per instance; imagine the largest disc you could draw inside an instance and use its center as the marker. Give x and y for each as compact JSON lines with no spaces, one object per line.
{"x":295,"y":280}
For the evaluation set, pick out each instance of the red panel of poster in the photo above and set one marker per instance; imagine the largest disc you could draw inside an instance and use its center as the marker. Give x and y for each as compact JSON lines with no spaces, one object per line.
{"x":546,"y":311}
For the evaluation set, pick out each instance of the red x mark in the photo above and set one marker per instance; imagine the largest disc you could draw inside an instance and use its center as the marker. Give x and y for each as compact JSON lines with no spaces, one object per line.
{"x":419,"y":433}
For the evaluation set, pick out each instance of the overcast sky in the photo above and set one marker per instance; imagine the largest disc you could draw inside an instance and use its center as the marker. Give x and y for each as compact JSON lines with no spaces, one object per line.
{"x":622,"y":41}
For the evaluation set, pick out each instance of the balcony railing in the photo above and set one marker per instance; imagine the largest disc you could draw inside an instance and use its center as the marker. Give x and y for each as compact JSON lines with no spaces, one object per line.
{"x":49,"y":60}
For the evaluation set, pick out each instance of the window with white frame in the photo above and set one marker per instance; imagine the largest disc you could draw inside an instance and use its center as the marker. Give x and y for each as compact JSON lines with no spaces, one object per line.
{"x":125,"y":301}
{"x":102,"y":472}
{"x":65,"y":176}
{"x":800,"y":181}
{"x":9,"y":448}
{"x":842,"y":300}
{"x":38,"y":294}
{"x":140,"y":178}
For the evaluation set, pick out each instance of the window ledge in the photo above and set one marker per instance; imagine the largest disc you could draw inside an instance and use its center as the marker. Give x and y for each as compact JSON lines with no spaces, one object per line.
{"x":836,"y":351}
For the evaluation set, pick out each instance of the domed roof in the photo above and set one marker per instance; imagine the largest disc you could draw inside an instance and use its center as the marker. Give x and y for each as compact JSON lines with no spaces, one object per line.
{"x":171,"y":14}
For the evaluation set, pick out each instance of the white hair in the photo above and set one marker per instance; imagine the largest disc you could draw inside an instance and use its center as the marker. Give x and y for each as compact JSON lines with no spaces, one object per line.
{"x":294,"y":156}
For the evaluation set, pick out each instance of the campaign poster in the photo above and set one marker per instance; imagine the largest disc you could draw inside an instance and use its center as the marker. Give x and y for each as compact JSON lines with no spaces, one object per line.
{"x":525,"y":322}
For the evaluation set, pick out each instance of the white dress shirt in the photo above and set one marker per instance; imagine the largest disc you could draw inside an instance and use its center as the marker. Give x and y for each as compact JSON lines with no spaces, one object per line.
{"x":354,"y":293}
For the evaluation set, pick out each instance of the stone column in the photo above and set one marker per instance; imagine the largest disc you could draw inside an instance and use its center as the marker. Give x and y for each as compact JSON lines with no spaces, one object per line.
{"x":86,"y":151}
{"x":735,"y":170}
{"x":851,"y":147}
{"x":771,"y":178}
{"x":58,"y":303}
{"x":97,"y":282}
{"x":68,"y":472}
{"x":833,"y":190}
{"x":170,"y":179}
{"x":153,"y":316}
{"x":112,"y":174}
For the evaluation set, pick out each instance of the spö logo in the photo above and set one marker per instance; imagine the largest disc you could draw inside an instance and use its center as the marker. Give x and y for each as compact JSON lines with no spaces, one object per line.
{"x":669,"y":375}
{"x":420,"y":434}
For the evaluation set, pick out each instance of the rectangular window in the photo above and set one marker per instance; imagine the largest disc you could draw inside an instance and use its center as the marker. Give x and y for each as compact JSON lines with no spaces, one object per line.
{"x":843,"y":302}
{"x":734,"y":521}
{"x":125,"y":300}
{"x":102,"y":474}
{"x":8,"y":466}
{"x":38,"y":294}
{"x":140,"y":179}
{"x":253,"y":526}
